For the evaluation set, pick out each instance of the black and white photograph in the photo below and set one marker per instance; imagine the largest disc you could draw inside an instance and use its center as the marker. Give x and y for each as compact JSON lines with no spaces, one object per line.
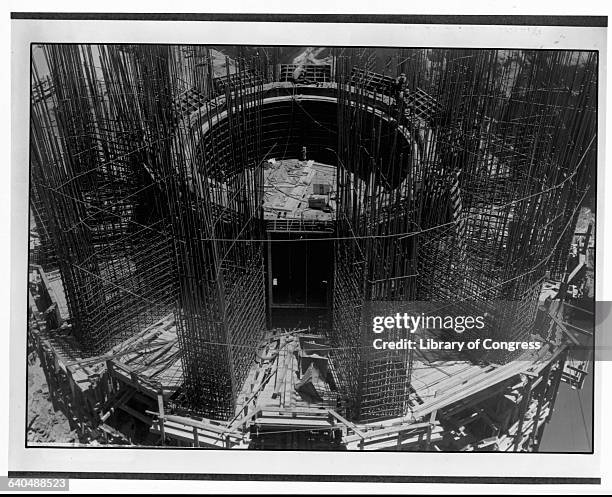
{"x":316,"y":249}
{"x":212,"y":227}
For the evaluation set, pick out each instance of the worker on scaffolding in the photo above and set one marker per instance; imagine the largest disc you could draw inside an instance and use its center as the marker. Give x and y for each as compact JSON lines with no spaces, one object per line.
{"x":299,"y":76}
{"x":401,"y":83}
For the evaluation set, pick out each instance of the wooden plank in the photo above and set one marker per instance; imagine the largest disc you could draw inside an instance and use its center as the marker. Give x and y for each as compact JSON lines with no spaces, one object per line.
{"x":347,"y":423}
{"x":136,"y":414}
{"x":388,"y":431}
{"x":292,"y":422}
{"x":160,"y":406}
{"x":432,"y":421}
{"x":565,"y":331}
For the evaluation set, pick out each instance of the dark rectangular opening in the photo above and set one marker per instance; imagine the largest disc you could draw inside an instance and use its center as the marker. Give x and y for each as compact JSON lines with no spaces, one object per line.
{"x":300,"y":270}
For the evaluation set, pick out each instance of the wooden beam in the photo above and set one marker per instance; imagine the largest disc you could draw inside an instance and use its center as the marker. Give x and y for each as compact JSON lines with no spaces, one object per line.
{"x":565,"y":331}
{"x":522,"y":411}
{"x":136,"y":414}
{"x":160,"y":406}
{"x":432,"y":421}
{"x":347,"y":423}
{"x":581,"y":330}
{"x":580,"y":309}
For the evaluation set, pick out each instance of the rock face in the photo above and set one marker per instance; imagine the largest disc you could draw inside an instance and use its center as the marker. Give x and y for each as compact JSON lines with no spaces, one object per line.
{"x":45,"y":425}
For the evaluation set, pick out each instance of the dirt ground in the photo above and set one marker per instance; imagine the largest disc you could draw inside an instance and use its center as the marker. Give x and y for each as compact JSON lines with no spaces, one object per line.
{"x":44,"y":424}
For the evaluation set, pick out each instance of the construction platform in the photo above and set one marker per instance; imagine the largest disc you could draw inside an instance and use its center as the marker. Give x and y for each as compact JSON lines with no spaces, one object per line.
{"x":290,"y":397}
{"x":299,"y":190}
{"x":291,"y":392}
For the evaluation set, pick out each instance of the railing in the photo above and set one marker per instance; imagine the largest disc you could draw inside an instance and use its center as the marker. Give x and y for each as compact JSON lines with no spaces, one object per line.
{"x":311,"y":73}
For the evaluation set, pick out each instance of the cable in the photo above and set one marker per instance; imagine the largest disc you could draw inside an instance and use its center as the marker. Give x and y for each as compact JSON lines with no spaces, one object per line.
{"x":290,"y":124}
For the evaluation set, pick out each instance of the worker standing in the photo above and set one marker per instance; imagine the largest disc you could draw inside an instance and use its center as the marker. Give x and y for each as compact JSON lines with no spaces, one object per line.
{"x":299,"y":76}
{"x":401,"y":83}
{"x":298,"y":73}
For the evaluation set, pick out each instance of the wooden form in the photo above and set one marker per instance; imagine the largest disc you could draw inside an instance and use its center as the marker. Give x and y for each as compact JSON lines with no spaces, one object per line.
{"x":475,"y":408}
{"x":269,"y":403}
{"x":89,"y":390}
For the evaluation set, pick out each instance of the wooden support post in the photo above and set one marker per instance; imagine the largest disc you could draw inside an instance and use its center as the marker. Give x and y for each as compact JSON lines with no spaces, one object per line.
{"x":399,"y":440}
{"x":534,"y":427}
{"x":587,"y":238}
{"x":557,"y":381}
{"x":75,"y":404}
{"x":111,"y":382}
{"x":522,"y":410}
{"x":160,"y":406}
{"x":196,"y":437}
{"x":49,"y":376}
{"x":346,"y":422}
{"x":541,"y":402}
{"x":432,"y":420}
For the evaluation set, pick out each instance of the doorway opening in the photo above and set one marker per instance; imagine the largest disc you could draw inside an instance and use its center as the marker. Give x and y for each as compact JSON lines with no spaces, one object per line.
{"x":300,"y":267}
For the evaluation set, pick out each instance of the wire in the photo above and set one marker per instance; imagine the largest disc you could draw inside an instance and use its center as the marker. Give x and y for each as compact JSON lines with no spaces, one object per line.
{"x":318,"y":123}
{"x":492,"y":287}
{"x":112,"y":161}
{"x":290,"y":124}
{"x":112,"y":283}
{"x":355,"y":347}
